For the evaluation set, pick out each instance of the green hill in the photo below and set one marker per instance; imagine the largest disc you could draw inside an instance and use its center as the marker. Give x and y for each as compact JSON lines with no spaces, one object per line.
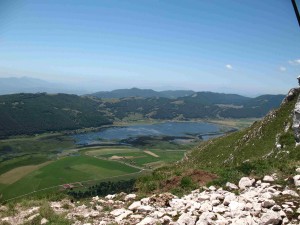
{"x":145,"y":93}
{"x":37,"y":113}
{"x":267,"y":146}
{"x":199,"y":105}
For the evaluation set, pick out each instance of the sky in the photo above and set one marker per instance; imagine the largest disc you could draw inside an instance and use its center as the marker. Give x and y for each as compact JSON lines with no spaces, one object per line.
{"x":249,"y":47}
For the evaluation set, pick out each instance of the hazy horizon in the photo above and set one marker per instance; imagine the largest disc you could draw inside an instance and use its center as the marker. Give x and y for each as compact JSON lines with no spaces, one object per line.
{"x":40,"y":85}
{"x":249,"y":48}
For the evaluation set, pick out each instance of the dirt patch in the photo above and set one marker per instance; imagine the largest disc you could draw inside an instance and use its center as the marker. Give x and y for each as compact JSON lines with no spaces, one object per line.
{"x":115,"y":157}
{"x":152,"y":153}
{"x":198,"y":176}
{"x":15,"y":174}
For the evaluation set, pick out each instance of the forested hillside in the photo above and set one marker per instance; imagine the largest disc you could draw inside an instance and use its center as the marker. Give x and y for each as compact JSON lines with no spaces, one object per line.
{"x":198,"y":105}
{"x":145,"y":93}
{"x":36,"y":113}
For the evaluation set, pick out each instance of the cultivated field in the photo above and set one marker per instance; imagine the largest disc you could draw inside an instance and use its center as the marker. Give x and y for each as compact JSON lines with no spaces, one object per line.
{"x":65,"y":170}
{"x":137,"y":157}
{"x":42,"y":163}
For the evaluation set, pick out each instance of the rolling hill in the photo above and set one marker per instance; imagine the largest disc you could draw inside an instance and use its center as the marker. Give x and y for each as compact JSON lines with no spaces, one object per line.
{"x":144,"y":93}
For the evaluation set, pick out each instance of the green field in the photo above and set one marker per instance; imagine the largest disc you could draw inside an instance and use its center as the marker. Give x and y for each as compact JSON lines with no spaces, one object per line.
{"x":29,"y":164}
{"x":138,"y":157}
{"x":65,"y":170}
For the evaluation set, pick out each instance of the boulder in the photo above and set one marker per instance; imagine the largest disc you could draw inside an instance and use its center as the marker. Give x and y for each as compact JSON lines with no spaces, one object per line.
{"x":135,"y":205}
{"x":205,"y":207}
{"x":186,"y":219}
{"x":110,"y":197}
{"x":268,"y":203}
{"x":122,"y":216}
{"x":44,"y":221}
{"x":145,"y":208}
{"x":117,"y":212}
{"x":130,"y":197}
{"x":233,"y":206}
{"x":268,"y":179}
{"x":297,"y":180}
{"x":229,"y":198}
{"x":270,"y":218}
{"x":148,"y":221}
{"x":231,"y":186}
{"x":290,"y":192}
{"x":245,"y":182}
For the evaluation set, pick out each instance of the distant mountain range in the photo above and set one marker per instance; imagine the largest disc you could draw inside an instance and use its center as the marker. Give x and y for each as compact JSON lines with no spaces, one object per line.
{"x":145,"y":93}
{"x":13,"y":85}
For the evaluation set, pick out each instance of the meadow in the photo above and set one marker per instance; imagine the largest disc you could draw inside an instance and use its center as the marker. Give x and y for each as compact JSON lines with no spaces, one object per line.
{"x":142,"y":157}
{"x":42,"y":163}
{"x":64,"y":171}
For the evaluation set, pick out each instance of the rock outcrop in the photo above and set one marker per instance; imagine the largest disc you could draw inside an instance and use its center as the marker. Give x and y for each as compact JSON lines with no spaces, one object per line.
{"x":254,"y":202}
{"x":296,"y":117}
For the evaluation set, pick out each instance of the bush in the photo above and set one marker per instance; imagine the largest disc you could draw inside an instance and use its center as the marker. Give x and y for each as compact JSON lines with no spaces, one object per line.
{"x":186,"y":182}
{"x":287,"y":139}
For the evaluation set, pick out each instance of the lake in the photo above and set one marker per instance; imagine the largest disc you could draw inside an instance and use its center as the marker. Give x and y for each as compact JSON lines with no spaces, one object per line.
{"x":177,"y":130}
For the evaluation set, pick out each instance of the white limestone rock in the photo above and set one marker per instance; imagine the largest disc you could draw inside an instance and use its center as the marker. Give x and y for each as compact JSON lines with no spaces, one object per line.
{"x":186,"y":219}
{"x":245,"y":182}
{"x":231,"y":186}
{"x":135,"y":205}
{"x":290,"y":192}
{"x":270,"y":217}
{"x":148,"y":221}
{"x":297,"y":180}
{"x":205,"y":207}
{"x":110,"y":197}
{"x":268,"y":203}
{"x":229,"y":198}
{"x":268,"y":179}
{"x":117,"y":212}
{"x":44,"y":221}
{"x":122,"y":216}
{"x":130,"y":197}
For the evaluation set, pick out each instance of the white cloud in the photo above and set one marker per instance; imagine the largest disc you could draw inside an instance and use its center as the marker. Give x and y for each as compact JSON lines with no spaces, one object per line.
{"x":295,"y":62}
{"x":228,"y":66}
{"x":282,"y":68}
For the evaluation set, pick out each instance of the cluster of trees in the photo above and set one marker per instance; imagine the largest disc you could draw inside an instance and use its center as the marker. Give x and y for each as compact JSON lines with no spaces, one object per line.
{"x":104,"y":188}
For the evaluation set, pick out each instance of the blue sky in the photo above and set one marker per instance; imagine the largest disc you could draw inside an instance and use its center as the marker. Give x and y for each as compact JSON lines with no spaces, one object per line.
{"x":248,"y":47}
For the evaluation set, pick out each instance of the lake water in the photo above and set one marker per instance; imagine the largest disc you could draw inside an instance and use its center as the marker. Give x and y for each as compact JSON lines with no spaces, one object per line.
{"x":173,"y":129}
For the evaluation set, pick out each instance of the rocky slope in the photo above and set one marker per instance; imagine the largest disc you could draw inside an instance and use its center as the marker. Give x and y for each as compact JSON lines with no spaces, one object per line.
{"x":250,"y":202}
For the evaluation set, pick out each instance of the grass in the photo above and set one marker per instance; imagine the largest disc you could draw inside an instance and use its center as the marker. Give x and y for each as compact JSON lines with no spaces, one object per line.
{"x":22,"y":169}
{"x":31,"y":150}
{"x":138,"y":156}
{"x":22,"y":161}
{"x":19,"y":172}
{"x":66,"y":170}
{"x":110,"y":150}
{"x":249,"y":152}
{"x":37,"y":143}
